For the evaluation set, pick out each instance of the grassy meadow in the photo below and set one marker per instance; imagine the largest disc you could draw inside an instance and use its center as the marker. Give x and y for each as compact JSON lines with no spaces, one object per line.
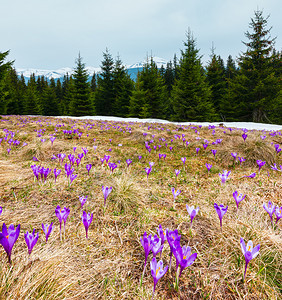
{"x":109,"y":264}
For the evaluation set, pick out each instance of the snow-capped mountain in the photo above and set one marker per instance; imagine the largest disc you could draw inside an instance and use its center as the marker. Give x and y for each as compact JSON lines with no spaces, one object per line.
{"x":59,"y":73}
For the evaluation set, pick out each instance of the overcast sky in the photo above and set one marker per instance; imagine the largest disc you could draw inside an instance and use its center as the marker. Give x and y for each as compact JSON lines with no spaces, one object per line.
{"x":48,"y":34}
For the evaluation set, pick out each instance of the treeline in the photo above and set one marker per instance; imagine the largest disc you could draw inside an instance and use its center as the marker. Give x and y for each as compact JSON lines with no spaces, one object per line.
{"x":183,"y":90}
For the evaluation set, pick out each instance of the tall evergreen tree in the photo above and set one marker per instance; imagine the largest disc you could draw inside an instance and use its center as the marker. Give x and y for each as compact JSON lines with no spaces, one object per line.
{"x":216,"y":79}
{"x":68,"y":95}
{"x":255,"y":90}
{"x":4,"y":67}
{"x":81,"y":104}
{"x":105,"y":94}
{"x":16,"y":91}
{"x":32,"y":103}
{"x":191,"y":94}
{"x":152,"y":85}
{"x":123,"y":87}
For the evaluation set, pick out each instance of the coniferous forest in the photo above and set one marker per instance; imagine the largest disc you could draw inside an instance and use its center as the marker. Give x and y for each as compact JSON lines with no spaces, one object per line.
{"x":245,"y":89}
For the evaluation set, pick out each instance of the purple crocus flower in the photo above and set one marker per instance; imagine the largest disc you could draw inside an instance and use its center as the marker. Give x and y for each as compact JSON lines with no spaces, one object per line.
{"x":88,"y":168}
{"x":128,"y":161}
{"x":60,"y":214}
{"x":214,"y":152}
{"x":157,"y":272}
{"x":253,"y":175}
{"x":147,"y":244}
{"x":192,"y":212}
{"x":177,"y":172}
{"x":0,"y":210}
{"x":224,"y":176}
{"x":31,"y":239}
{"x":197,"y":150}
{"x":173,"y":240}
{"x":183,"y":159}
{"x":209,"y":166}
{"x":106,"y":192}
{"x":238,"y":198}
{"x":86,"y":220}
{"x":52,"y":139}
{"x":162,"y":234}
{"x":148,"y":171}
{"x":47,"y":229}
{"x":278,"y":213}
{"x":221,"y":211}
{"x":249,"y":252}
{"x":275,"y":168}
{"x":241,"y":159}
{"x":74,"y":148}
{"x":270,"y":209}
{"x":260,"y":163}
{"x":175,"y":193}
{"x":157,"y":245}
{"x":82,"y":200}
{"x":107,"y":158}
{"x":85,"y":151}
{"x":234,"y":155}
{"x":184,"y":259}
{"x":244,"y":136}
{"x":151,"y":164}
{"x":139,"y":157}
{"x":8,"y":237}
{"x":72,"y":178}
{"x":56,"y":173}
{"x":80,"y":155}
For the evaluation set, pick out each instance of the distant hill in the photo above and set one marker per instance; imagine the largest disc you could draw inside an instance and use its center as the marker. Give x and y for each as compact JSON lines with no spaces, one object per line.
{"x":59,"y":74}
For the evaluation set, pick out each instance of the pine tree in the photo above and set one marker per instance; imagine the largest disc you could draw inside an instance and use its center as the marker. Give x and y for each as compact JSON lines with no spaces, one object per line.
{"x":81,"y":104}
{"x":216,"y":79}
{"x":152,"y":85}
{"x":191,"y":94}
{"x":69,"y":95}
{"x":4,"y":67}
{"x":105,"y":94}
{"x":255,"y":90}
{"x":16,"y":91}
{"x":32,"y":103}
{"x":123,"y":87}
{"x":93,"y":84}
{"x":227,"y":107}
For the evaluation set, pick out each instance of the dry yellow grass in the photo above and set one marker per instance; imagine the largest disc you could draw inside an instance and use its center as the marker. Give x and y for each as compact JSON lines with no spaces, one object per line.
{"x":109,"y":264}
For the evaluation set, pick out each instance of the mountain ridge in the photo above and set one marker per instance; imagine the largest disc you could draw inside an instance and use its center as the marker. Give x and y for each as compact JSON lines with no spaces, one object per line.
{"x":59,"y":73}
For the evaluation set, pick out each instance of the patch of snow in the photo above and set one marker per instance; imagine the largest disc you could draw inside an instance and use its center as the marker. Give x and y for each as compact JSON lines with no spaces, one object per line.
{"x":242,"y":125}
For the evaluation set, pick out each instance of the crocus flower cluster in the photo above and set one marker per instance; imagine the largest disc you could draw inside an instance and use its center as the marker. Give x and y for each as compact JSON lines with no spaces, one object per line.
{"x":62,"y":215}
{"x":270,"y":208}
{"x":40,"y":173}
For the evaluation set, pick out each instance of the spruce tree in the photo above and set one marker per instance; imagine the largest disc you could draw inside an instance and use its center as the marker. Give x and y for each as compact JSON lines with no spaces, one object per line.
{"x":123,"y":87}
{"x":152,"y":86}
{"x":105,"y":94}
{"x":256,"y":87}
{"x":191,"y":94}
{"x":81,"y":104}
{"x":32,"y":103}
{"x":4,"y":67}
{"x":216,"y":79}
